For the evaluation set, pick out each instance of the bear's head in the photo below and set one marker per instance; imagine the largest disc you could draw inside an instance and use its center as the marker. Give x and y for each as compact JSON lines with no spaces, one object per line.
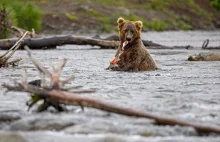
{"x":129,"y":30}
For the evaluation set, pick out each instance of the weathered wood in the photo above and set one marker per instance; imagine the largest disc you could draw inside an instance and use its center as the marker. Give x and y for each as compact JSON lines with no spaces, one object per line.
{"x":64,"y":97}
{"x":18,"y":32}
{"x":205,"y":46}
{"x":52,"y":42}
{"x":147,"y":43}
{"x":7,"y":55}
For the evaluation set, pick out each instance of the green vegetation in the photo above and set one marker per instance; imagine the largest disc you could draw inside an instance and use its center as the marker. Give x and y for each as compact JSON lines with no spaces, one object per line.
{"x":23,"y":14}
{"x":8,"y":21}
{"x":122,"y":3}
{"x":156,"y":15}
{"x":106,"y":22}
{"x":173,"y":22}
{"x":216,"y":4}
{"x":71,"y":17}
{"x":157,"y":25}
{"x":184,"y":26}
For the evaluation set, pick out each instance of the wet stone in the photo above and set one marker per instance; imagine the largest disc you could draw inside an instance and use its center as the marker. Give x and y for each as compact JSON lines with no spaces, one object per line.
{"x":11,"y":137}
{"x":103,"y":127}
{"x":9,"y":116}
{"x":43,"y":121}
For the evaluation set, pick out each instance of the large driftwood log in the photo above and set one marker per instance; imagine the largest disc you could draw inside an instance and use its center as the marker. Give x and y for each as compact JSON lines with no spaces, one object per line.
{"x":64,"y":97}
{"x":54,"y":96}
{"x":52,"y":42}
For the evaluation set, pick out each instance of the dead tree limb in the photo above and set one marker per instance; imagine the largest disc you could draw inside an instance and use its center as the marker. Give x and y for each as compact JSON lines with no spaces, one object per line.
{"x":53,"y":95}
{"x":16,"y":31}
{"x":57,"y":96}
{"x":52,"y":42}
{"x":7,"y":55}
{"x":206,"y":43}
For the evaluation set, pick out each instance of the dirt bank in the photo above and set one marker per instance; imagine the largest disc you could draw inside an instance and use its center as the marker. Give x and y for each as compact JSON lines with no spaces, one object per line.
{"x":85,"y":16}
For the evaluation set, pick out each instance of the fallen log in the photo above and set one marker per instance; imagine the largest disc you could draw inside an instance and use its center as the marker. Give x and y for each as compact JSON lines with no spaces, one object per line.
{"x":54,"y":96}
{"x":63,"y":97}
{"x":147,"y":43}
{"x":105,"y":43}
{"x":52,"y":42}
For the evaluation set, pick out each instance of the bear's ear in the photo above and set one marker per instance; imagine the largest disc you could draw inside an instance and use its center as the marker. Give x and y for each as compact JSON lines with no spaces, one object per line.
{"x":138,"y":25}
{"x":120,"y":22}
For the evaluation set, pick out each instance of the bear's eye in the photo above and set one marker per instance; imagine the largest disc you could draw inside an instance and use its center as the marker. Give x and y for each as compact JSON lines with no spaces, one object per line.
{"x":126,"y":30}
{"x":132,"y":31}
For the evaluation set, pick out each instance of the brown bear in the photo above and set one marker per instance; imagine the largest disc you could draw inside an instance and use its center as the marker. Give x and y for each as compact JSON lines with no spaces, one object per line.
{"x":206,"y":56}
{"x":133,"y":55}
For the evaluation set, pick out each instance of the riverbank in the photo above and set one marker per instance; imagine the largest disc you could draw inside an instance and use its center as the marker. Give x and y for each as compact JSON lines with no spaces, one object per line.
{"x":94,"y":17}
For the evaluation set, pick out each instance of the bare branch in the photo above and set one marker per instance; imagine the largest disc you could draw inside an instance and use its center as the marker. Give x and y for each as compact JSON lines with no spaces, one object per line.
{"x":63,"y":82}
{"x":62,"y":64}
{"x":37,"y":63}
{"x":14,"y":61}
{"x":15,"y":47}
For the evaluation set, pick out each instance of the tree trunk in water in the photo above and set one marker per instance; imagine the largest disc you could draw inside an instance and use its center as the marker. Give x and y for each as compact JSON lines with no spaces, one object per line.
{"x":52,"y":42}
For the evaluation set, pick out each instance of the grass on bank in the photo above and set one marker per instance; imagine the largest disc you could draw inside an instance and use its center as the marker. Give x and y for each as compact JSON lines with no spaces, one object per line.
{"x":26,"y":14}
{"x":22,"y":13}
{"x":173,"y":22}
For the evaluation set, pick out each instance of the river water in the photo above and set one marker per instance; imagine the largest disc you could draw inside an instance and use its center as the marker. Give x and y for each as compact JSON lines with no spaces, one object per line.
{"x":180,"y":89}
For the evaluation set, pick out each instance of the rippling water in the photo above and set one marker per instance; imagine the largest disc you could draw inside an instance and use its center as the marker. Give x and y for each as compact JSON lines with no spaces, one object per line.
{"x":182,"y":89}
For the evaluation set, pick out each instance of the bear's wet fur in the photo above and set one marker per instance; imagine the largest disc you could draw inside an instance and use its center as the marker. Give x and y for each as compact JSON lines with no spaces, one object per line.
{"x":134,"y":56}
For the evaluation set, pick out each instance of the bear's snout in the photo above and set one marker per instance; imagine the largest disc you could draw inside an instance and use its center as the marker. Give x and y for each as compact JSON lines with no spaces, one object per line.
{"x":128,"y":39}
{"x":129,"y":35}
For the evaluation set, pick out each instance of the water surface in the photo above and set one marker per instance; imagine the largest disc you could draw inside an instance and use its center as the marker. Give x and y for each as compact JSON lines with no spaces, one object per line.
{"x":181,"y":89}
